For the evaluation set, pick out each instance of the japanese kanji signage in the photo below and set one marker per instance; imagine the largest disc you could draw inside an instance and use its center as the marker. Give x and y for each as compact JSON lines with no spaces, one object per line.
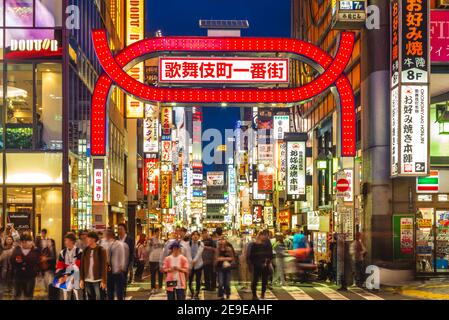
{"x":166,"y":122}
{"x":166,"y":190}
{"x":296,"y":169}
{"x":348,"y":14}
{"x":223,"y":70}
{"x":151,"y":177}
{"x":98,"y":185}
{"x":257,"y":215}
{"x":135,"y":31}
{"x":268,"y":216}
{"x":415,"y":41}
{"x":410,"y":70}
{"x":414,"y":130}
{"x":439,"y":36}
{"x":265,"y":182}
{"x":281,"y":126}
{"x":151,"y":130}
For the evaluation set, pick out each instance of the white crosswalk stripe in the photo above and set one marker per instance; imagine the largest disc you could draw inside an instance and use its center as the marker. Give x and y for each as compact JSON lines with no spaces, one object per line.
{"x":331,"y":294}
{"x":365,"y":294}
{"x":297,"y":293}
{"x":158,"y":296}
{"x":234,"y":293}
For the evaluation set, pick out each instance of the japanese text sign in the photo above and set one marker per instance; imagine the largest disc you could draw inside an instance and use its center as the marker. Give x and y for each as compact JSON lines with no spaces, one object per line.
{"x":223,"y":70}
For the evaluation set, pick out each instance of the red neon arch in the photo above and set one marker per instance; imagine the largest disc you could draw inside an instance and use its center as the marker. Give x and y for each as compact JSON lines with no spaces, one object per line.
{"x":115,"y":73}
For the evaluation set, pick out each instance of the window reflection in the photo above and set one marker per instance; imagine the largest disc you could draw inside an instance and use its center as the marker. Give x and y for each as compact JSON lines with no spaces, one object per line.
{"x":19,"y":13}
{"x":48,"y":13}
{"x":19,"y":106}
{"x":49,"y":106}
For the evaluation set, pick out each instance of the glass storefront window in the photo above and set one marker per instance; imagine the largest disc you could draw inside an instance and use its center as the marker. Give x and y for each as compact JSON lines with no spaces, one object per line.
{"x":19,"y":106}
{"x":19,"y":13}
{"x":49,"y":106}
{"x":425,"y":240}
{"x":19,"y":207}
{"x":33,"y":169}
{"x":442,"y":241}
{"x":48,"y":13}
{"x":48,"y":206}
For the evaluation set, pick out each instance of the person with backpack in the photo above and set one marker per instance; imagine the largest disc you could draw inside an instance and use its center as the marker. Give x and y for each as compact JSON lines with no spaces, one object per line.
{"x":67,"y":275}
{"x":196,"y":248}
{"x":94,"y":268}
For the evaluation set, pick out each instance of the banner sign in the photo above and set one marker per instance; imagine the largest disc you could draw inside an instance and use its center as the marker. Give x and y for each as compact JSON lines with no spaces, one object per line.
{"x":98,"y":185}
{"x":296,"y":169}
{"x":166,"y":191}
{"x":215,"y":178}
{"x":281,"y":126}
{"x":403,"y":236}
{"x":265,"y":182}
{"x":151,"y":177}
{"x":223,"y":70}
{"x":135,"y":31}
{"x":166,"y":122}
{"x":151,"y":130}
{"x":268,"y":216}
{"x":410,"y":70}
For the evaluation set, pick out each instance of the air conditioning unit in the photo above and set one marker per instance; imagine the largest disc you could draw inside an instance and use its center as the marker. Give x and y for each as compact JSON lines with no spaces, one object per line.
{"x":443,"y":3}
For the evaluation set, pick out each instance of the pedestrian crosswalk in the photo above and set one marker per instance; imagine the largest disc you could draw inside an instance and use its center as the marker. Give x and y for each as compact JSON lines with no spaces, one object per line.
{"x":314,"y":291}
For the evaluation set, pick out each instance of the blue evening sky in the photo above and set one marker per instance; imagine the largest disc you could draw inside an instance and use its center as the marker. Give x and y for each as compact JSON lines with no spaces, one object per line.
{"x":267,"y":18}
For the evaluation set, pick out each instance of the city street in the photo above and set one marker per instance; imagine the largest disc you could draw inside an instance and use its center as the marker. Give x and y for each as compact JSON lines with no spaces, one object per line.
{"x":313,"y":291}
{"x":231,"y":144}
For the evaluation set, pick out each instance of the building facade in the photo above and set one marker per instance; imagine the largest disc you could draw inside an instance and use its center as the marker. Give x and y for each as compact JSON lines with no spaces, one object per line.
{"x":403,"y":219}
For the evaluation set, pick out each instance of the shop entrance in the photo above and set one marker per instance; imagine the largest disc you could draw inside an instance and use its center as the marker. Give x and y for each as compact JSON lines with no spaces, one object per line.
{"x":432,"y":240}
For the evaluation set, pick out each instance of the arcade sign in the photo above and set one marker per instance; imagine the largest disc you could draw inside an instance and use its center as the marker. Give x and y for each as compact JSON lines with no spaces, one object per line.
{"x":223,"y":70}
{"x":330,"y":69}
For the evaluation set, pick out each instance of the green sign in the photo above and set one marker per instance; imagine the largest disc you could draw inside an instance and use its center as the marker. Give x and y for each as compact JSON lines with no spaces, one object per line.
{"x":403,"y":236}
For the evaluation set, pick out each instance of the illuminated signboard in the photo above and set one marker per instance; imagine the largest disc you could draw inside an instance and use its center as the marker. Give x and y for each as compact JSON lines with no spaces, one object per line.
{"x":215,"y":178}
{"x":98,"y":185}
{"x":331,"y":72}
{"x":410,"y":69}
{"x":281,"y":126}
{"x":151,"y":130}
{"x":166,"y":191}
{"x":166,"y":122}
{"x":268,"y":216}
{"x":348,"y":14}
{"x":223,"y":70}
{"x":296,"y":169}
{"x":151,"y":177}
{"x":135,"y":31}
{"x":265,"y":182}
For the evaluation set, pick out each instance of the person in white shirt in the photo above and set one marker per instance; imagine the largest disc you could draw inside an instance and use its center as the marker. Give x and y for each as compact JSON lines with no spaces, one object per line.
{"x":156,"y":246}
{"x":118,"y":264}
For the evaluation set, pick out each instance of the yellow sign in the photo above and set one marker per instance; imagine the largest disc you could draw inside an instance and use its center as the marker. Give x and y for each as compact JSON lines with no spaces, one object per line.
{"x":135,"y":31}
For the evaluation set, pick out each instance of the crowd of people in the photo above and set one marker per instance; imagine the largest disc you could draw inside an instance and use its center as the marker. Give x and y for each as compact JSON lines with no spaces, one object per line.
{"x":100,"y":265}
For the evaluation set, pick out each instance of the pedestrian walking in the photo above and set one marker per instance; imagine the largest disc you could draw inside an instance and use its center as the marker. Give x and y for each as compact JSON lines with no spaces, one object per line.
{"x":25,"y":264}
{"x":225,"y":256}
{"x":279,"y":250}
{"x":156,"y":246}
{"x":67,"y":275}
{"x":141,"y":257}
{"x":94,"y":268}
{"x":117,"y":266}
{"x":260,"y":257}
{"x":196,"y":248}
{"x":6,"y":270}
{"x":47,"y":258}
{"x":209,"y":261}
{"x":81,"y":243}
{"x":358,"y":253}
{"x":123,"y":236}
{"x":176,"y":266}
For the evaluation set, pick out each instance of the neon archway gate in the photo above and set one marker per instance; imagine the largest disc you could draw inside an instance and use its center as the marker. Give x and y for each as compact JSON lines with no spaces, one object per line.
{"x":331,"y":75}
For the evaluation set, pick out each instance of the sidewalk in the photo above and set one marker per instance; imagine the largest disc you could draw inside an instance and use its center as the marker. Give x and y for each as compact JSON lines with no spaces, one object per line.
{"x":431,"y":289}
